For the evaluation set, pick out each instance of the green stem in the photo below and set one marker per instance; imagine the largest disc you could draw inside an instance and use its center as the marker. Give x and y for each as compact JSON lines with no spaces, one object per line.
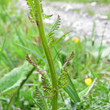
{"x":48,"y":55}
{"x":17,"y":104}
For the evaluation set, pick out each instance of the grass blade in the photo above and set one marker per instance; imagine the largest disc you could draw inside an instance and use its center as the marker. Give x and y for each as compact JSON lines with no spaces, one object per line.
{"x":14,"y":27}
{"x":33,"y":53}
{"x":2,"y":48}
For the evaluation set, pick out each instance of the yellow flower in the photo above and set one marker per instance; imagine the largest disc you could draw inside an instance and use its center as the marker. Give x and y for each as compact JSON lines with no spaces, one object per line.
{"x":88,"y":81}
{"x":75,"y":40}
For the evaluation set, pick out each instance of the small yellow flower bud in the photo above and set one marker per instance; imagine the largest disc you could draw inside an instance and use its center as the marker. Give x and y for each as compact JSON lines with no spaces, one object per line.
{"x":75,"y":40}
{"x":88,"y":81}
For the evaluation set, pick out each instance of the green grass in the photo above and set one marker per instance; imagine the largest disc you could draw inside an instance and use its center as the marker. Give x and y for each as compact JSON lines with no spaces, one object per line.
{"x":77,"y":10}
{"x":18,"y":37}
{"x":90,"y":12}
{"x":83,"y":1}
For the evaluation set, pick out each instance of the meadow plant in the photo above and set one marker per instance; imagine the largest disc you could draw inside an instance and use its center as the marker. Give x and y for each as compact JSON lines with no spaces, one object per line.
{"x":53,"y":83}
{"x":36,"y":12}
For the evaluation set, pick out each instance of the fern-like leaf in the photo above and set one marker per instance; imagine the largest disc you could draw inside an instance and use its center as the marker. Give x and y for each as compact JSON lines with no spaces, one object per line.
{"x":63,"y":79}
{"x":42,"y":11}
{"x":32,"y":10}
{"x":55,"y":26}
{"x":47,"y":16}
{"x":40,"y":99}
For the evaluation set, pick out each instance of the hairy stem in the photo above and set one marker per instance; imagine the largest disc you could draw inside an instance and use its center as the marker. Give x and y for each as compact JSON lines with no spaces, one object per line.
{"x":39,"y":23}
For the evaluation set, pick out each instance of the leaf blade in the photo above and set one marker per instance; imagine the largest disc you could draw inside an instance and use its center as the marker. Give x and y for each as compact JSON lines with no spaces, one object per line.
{"x":12,"y":80}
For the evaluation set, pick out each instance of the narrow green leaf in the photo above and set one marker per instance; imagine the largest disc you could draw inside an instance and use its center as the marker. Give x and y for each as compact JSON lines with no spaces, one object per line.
{"x":33,"y":53}
{"x":71,"y":91}
{"x":2,"y":48}
{"x":12,"y":23}
{"x":9,"y":58}
{"x":11,"y":101}
{"x":60,"y":39}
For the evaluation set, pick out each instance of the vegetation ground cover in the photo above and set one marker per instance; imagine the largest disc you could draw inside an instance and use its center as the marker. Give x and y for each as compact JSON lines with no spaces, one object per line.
{"x":19,"y":37}
{"x":83,"y":1}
